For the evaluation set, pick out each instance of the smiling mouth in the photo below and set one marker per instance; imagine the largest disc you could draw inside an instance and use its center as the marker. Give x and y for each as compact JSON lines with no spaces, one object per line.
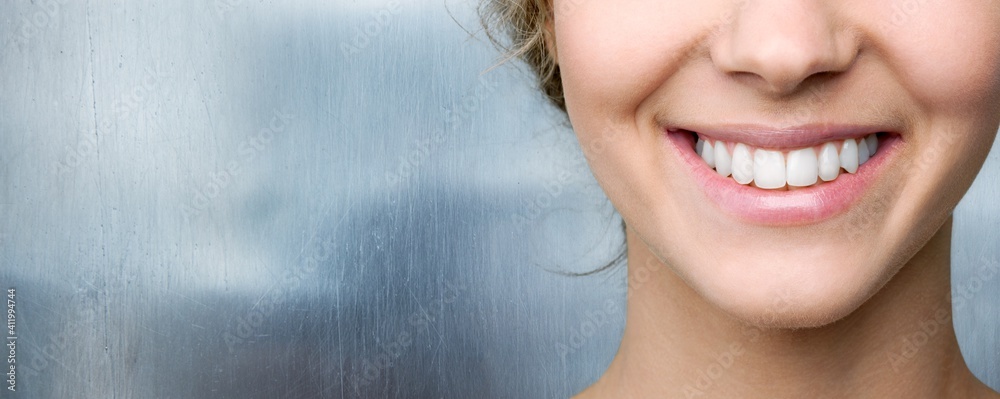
{"x":784,"y":177}
{"x":774,"y":169}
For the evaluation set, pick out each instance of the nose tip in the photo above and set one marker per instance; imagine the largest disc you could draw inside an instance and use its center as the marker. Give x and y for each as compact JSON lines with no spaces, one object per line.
{"x":776,"y":45}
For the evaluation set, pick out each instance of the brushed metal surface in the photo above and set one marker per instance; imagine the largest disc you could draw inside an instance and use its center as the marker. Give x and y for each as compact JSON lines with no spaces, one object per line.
{"x":232,"y":199}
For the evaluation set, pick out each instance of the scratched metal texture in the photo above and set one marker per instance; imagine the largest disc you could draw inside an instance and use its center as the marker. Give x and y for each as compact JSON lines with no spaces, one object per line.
{"x":304,"y":199}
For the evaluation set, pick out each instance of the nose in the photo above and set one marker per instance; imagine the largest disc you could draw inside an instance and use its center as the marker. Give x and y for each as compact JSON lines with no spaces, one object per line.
{"x":776,"y":45}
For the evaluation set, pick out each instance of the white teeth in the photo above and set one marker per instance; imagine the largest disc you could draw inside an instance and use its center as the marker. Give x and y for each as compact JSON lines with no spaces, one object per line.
{"x":802,"y":168}
{"x":849,"y":156}
{"x":723,"y":161}
{"x":770,"y":169}
{"x":862,"y":152}
{"x":872,"y":142}
{"x":829,"y":162}
{"x":708,"y":154}
{"x":742,"y":164}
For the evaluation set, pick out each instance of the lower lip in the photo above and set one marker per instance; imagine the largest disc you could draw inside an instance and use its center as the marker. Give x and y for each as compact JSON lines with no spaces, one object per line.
{"x":779,"y":207}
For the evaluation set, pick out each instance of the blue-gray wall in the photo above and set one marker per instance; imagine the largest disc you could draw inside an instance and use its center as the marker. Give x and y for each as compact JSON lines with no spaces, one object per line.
{"x":235,"y":198}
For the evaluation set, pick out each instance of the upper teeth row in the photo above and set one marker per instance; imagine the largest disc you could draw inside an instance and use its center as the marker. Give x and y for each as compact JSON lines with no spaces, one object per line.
{"x":798,"y":168}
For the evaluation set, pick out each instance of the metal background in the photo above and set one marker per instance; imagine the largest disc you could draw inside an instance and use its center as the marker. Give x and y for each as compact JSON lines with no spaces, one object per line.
{"x":234,"y":198}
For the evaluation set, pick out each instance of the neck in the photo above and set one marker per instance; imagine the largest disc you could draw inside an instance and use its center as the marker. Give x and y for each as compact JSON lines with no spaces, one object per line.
{"x":900,"y":343}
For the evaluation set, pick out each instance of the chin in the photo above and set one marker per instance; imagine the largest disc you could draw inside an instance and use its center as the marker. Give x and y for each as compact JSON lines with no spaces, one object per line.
{"x":787,"y":288}
{"x":794,"y":309}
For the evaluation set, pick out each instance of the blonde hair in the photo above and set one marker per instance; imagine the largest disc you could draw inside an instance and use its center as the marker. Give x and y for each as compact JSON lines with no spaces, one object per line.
{"x":523,"y":23}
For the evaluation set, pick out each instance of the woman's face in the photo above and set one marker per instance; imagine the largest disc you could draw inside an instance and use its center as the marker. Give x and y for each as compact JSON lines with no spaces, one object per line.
{"x":781,"y":91}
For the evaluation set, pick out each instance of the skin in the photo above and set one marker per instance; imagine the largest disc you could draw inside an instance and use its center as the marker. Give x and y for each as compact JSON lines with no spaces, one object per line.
{"x":817,"y":310}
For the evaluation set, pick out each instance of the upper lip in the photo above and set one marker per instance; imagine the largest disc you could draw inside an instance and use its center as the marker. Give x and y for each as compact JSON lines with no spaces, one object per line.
{"x":801,"y":136}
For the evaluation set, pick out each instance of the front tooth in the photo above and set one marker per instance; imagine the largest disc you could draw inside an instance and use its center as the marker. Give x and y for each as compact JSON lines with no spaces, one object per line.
{"x":698,"y":146}
{"x":742,"y":164}
{"x":872,"y":141}
{"x":802,"y":168}
{"x":708,"y":153}
{"x":863,"y":154}
{"x":723,"y":162}
{"x":829,"y":162}
{"x":849,"y":156}
{"x":768,"y":169}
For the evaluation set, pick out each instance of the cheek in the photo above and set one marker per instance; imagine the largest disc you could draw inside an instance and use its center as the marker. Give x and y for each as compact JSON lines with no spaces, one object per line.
{"x":946,"y":55}
{"x":946,"y":52}
{"x":613,"y":57}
